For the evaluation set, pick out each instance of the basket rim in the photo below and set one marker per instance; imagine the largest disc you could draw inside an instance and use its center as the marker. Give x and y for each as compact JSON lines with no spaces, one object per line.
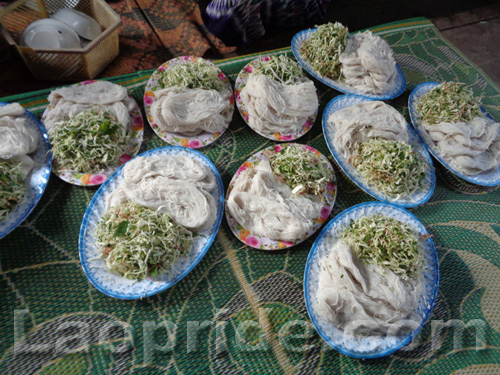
{"x":89,"y":47}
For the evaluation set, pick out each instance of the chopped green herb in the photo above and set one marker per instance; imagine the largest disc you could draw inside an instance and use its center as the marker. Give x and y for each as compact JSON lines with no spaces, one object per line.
{"x":303,"y":170}
{"x":90,"y":141}
{"x":323,"y":49}
{"x":12,"y":189}
{"x":281,"y":68}
{"x":393,"y":167}
{"x":139,"y":242}
{"x":448,"y":102}
{"x":387,"y":242}
{"x":192,"y":75}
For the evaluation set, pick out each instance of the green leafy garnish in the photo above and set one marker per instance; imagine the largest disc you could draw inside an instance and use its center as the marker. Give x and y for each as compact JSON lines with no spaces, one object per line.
{"x":90,"y":142}
{"x":139,"y":242}
{"x":448,"y":102}
{"x":12,"y":189}
{"x":304,"y":171}
{"x":393,"y":167}
{"x":387,"y":242}
{"x":323,"y":49}
{"x":191,"y":75}
{"x":281,"y":68}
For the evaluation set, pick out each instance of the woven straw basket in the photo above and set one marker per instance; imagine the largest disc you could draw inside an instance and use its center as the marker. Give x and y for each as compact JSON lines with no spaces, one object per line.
{"x":63,"y":64}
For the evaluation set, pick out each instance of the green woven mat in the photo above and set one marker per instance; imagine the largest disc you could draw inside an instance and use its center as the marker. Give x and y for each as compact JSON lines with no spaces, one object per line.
{"x":247,"y":306}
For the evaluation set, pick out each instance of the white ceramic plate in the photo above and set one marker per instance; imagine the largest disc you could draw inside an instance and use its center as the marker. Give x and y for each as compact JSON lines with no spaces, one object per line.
{"x":370,"y":347}
{"x":178,"y":139}
{"x":113,"y":284}
{"x":264,"y":243}
{"x":484,"y":179}
{"x":36,"y":181}
{"x":241,"y":82}
{"x":79,"y":178}
{"x":397,"y":89}
{"x":416,"y":198}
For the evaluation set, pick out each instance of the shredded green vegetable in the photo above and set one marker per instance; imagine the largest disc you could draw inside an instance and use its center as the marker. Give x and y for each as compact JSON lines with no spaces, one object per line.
{"x":323,"y":49}
{"x":393,"y":167}
{"x":281,"y":68}
{"x":192,"y":75}
{"x":91,"y":141}
{"x":139,"y":242}
{"x":12,"y":189}
{"x":448,"y":102}
{"x":387,"y":242}
{"x":303,"y":171}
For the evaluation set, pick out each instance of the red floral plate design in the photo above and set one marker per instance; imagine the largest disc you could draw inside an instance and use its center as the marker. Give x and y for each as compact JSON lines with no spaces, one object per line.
{"x":264,"y":243}
{"x":87,"y":179}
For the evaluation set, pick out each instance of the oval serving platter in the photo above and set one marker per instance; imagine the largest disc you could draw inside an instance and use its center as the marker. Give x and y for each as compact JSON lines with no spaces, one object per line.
{"x":177,"y":139}
{"x":240,"y":83}
{"x":37,"y":179}
{"x":415,"y":199}
{"x":87,"y":179}
{"x":113,"y":284}
{"x":484,"y":179}
{"x":264,"y":243}
{"x":368,"y":347}
{"x":397,"y":89}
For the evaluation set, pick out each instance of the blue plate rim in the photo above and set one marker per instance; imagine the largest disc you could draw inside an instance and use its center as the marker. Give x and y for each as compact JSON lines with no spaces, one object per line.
{"x":323,"y":233}
{"x":47,"y":166}
{"x":444,"y":163}
{"x":371,"y":192}
{"x":97,"y":196}
{"x":339,"y":88}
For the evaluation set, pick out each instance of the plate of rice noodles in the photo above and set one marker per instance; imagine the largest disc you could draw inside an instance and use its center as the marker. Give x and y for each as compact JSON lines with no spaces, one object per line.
{"x":94,"y":127}
{"x":457,"y":130}
{"x":25,"y":162}
{"x":151,"y":222}
{"x":358,"y":63}
{"x":280,"y":196}
{"x":371,"y":280}
{"x":189,"y":102}
{"x":375,"y":146}
{"x":275,"y":98}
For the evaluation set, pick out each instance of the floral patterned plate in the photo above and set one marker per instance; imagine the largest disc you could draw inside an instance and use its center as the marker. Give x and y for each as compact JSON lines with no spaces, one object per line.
{"x":113,"y":284}
{"x":368,"y":347}
{"x":263,"y":243}
{"x":241,"y":82}
{"x":178,"y":139}
{"x":87,"y":179}
{"x":397,"y":89}
{"x":491,"y":178}
{"x":36,"y":181}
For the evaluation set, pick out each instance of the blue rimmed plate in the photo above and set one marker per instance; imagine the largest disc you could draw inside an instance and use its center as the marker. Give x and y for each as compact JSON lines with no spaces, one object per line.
{"x":368,"y":347}
{"x":416,"y":198}
{"x":37,"y":179}
{"x":397,"y":89}
{"x":113,"y":284}
{"x":484,"y":179}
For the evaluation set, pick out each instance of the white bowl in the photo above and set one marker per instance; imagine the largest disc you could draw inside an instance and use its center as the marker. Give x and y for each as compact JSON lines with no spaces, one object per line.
{"x":84,"y":25}
{"x":50,"y":34}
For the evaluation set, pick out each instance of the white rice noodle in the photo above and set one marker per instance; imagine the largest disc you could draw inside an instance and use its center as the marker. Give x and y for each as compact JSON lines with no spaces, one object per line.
{"x":274,"y":107}
{"x":359,"y":297}
{"x":368,"y":63}
{"x":470,"y":147}
{"x":100,"y":95}
{"x":174,"y":184}
{"x":266,"y":206}
{"x":191,"y":111}
{"x":363,"y":121}
{"x":17,"y":137}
